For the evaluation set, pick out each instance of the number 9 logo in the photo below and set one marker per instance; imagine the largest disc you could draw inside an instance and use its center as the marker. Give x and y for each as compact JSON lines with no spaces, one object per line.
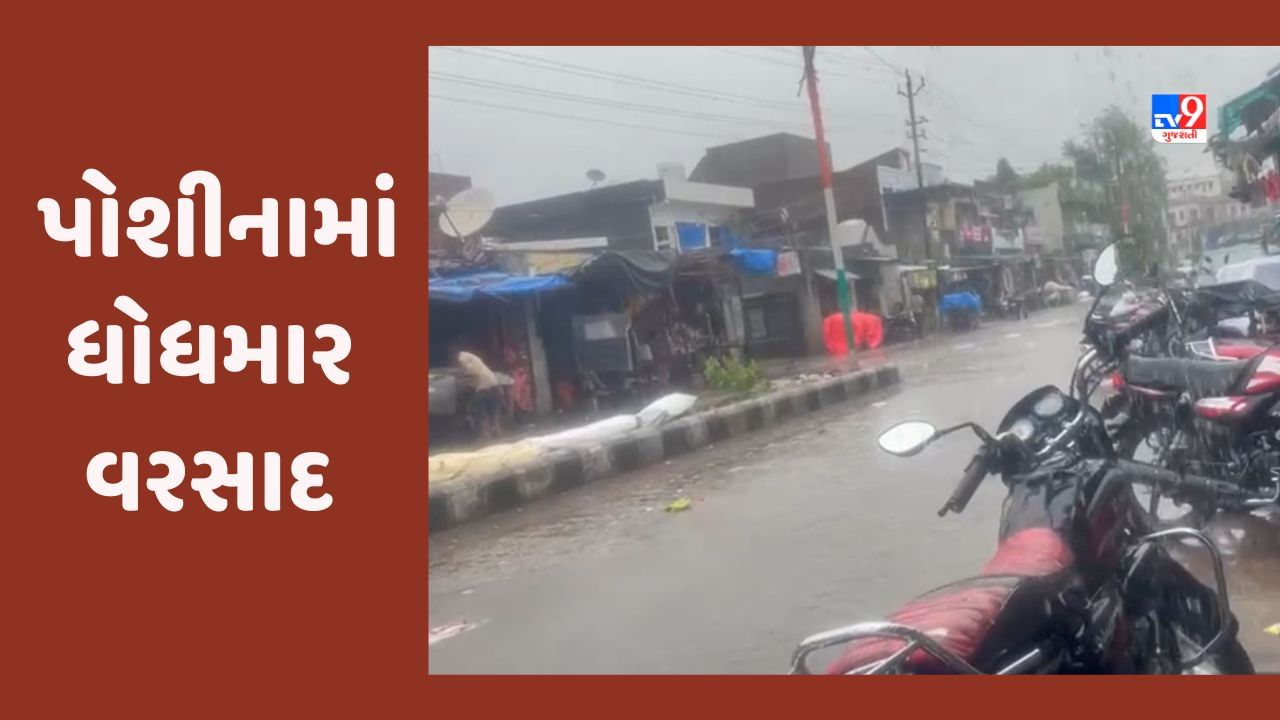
{"x":1191,"y":109}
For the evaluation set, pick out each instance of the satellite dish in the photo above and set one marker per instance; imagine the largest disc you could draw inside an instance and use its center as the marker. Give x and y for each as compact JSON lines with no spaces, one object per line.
{"x":466,"y":213}
{"x":595,"y":176}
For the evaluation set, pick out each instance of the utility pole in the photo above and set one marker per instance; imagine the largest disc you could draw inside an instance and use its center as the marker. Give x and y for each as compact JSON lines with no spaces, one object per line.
{"x":1122,"y":200}
{"x":917,"y":133}
{"x":828,"y":196}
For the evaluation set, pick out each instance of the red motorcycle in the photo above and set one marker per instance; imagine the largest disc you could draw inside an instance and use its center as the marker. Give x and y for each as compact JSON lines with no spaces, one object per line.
{"x":1078,"y":582}
{"x":1210,"y":406}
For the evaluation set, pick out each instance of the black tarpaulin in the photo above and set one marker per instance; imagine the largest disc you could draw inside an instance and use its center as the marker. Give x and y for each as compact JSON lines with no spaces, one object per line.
{"x":1233,"y":298}
{"x":1238,"y":291}
{"x":628,"y":271}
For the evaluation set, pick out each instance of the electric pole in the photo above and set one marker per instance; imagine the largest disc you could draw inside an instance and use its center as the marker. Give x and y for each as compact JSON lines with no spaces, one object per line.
{"x":917,"y":134}
{"x":828,"y":196}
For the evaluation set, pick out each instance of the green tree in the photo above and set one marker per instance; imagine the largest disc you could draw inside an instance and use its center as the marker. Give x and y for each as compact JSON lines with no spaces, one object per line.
{"x":1006,"y":177}
{"x":1046,"y":174}
{"x":1118,"y":151}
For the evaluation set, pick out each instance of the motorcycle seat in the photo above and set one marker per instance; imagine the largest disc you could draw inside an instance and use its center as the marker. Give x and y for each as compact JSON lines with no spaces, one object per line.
{"x":1201,"y":378}
{"x":977,"y":617}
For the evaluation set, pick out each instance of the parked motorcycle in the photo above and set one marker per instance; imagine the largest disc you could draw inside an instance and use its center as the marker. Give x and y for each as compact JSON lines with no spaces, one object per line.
{"x":1078,"y":582}
{"x":961,"y":310}
{"x":1198,"y":405}
{"x":1012,"y":307}
{"x":902,"y":327}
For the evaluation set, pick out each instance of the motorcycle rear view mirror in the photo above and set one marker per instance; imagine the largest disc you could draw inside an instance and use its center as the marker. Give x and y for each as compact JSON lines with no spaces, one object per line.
{"x":907,"y":438}
{"x":1105,"y":267}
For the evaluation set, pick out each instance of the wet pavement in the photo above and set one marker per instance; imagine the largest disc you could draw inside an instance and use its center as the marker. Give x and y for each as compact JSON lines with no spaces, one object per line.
{"x":793,"y":530}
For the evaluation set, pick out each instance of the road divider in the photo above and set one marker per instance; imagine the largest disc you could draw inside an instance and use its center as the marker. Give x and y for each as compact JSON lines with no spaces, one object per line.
{"x":466,"y":499}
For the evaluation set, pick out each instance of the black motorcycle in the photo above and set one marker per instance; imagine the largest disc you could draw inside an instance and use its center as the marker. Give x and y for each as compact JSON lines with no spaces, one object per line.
{"x":1012,"y":307}
{"x":1079,"y":583}
{"x":1175,"y":408}
{"x":902,"y":327}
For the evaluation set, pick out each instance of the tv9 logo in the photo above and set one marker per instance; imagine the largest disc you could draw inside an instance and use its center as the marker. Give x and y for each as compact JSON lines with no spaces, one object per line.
{"x":1180,"y":118}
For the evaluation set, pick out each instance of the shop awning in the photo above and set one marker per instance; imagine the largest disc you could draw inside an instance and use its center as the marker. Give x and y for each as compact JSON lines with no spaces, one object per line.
{"x":503,"y":286}
{"x":1250,"y":108}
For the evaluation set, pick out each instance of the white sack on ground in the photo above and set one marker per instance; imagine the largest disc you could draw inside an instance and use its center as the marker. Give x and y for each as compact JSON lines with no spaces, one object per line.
{"x":451,"y":466}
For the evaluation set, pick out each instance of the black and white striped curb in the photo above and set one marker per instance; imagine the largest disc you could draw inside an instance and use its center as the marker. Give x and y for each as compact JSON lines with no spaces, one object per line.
{"x":468,"y":499}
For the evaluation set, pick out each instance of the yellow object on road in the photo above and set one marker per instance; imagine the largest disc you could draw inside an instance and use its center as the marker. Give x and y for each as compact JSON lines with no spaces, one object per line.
{"x":679,"y":504}
{"x":1273,"y":630}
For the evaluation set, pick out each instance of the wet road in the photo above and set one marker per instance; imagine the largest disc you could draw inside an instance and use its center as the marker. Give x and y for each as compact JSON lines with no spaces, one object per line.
{"x":793,"y":530}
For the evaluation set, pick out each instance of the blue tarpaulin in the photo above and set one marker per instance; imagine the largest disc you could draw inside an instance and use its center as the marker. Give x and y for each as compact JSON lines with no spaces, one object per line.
{"x":756,"y":262}
{"x":960,"y":301}
{"x":464,"y":288}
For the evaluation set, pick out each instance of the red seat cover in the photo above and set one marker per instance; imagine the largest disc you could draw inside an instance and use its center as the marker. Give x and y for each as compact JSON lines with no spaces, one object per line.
{"x":1034,"y":552}
{"x":959,"y":619}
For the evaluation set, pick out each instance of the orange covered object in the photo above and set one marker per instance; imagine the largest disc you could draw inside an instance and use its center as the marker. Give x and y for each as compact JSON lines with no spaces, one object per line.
{"x":868,"y":332}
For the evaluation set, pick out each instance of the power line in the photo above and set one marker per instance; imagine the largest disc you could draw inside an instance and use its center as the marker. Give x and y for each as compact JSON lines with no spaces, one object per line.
{"x":845,"y":60}
{"x":774,"y":61}
{"x":880,"y":57}
{"x":565,"y":116}
{"x":761,"y":58}
{"x":578,"y":70}
{"x":593,"y":100}
{"x":583,"y":71}
{"x":860,"y":62}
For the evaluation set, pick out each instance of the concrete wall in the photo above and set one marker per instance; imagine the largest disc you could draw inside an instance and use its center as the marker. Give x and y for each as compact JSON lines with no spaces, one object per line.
{"x":1046,"y":215}
{"x":894,"y":179}
{"x":908,"y":231}
{"x":677,"y":190}
{"x":1200,"y":186}
{"x":758,"y":161}
{"x":667,"y":214}
{"x":695,"y":202}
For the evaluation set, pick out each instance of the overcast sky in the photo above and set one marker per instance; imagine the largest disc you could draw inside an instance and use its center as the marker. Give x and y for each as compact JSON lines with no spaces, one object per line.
{"x":527,"y":122}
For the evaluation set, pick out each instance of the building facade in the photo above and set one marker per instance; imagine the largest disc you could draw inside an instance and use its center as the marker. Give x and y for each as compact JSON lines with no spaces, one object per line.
{"x":1066,"y":218}
{"x":1202,"y":215}
{"x":670,"y":213}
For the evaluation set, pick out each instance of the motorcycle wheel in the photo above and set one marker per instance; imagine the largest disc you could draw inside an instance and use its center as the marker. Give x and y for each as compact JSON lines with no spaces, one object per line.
{"x":1156,"y":511}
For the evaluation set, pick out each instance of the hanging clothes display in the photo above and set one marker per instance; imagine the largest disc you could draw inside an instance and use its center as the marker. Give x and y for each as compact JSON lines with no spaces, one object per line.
{"x":518,"y":368}
{"x":1271,"y":186}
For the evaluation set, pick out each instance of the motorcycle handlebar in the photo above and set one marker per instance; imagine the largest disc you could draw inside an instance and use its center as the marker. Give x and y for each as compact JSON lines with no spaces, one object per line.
{"x":974,"y":473}
{"x":1161,"y":477}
